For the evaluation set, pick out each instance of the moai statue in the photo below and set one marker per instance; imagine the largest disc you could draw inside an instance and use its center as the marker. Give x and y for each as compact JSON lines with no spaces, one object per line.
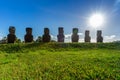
{"x":87,"y":36}
{"x":11,"y":37}
{"x":28,"y":37}
{"x":75,"y":36}
{"x":60,"y":35}
{"x":46,"y":36}
{"x":99,"y":36}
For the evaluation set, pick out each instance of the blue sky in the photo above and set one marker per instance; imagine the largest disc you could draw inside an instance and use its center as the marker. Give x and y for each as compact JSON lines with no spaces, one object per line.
{"x":55,"y":13}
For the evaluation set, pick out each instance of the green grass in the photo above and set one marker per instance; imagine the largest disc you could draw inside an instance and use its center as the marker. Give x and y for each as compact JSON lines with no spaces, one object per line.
{"x":58,"y":61}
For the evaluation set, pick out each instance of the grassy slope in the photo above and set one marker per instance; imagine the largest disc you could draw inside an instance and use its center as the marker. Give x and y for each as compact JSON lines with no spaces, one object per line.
{"x":60,"y":61}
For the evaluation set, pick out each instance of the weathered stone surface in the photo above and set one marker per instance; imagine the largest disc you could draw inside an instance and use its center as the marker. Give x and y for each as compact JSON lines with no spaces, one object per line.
{"x":46,"y":36}
{"x":99,"y":36}
{"x":87,"y":36}
{"x":60,"y":35}
{"x":11,"y":37}
{"x":28,"y":37}
{"x":75,"y":36}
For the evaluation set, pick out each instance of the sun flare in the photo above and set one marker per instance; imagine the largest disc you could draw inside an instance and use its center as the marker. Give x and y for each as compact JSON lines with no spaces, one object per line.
{"x":96,"y":20}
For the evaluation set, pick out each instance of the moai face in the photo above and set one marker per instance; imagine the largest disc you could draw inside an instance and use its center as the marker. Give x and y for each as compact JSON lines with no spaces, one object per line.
{"x":60,"y":30}
{"x":99,"y":36}
{"x":29,"y":31}
{"x":12,"y":30}
{"x":46,"y":31}
{"x":75,"y":36}
{"x":28,"y":37}
{"x":75,"y":30}
{"x":99,"y":33}
{"x":87,"y":37}
{"x":46,"y":37}
{"x":11,"y":37}
{"x":60,"y":35}
{"x":87,"y":33}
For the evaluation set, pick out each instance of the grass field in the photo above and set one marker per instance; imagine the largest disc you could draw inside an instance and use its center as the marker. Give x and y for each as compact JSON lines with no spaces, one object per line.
{"x":60,"y":61}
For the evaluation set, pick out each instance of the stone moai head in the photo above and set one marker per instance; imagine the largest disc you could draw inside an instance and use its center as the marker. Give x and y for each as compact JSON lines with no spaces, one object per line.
{"x":75,"y":30}
{"x":60,"y":35}
{"x":75,"y":36}
{"x":12,"y":30}
{"x":99,"y":36}
{"x":28,"y":37}
{"x":99,"y":33}
{"x":60,"y":30}
{"x":46,"y":31}
{"x":11,"y":37}
{"x":29,"y":31}
{"x":87,"y":37}
{"x":46,"y":36}
{"x":87,"y":32}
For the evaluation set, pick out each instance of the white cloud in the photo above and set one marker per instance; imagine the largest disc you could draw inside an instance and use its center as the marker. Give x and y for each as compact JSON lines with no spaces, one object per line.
{"x":93,"y":40}
{"x":1,"y":36}
{"x":80,"y":34}
{"x":109,"y":38}
{"x":68,"y":37}
{"x":53,"y":37}
{"x":81,"y":40}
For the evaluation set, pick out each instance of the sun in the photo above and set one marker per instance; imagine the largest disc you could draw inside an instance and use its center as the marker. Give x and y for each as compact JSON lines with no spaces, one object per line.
{"x":96,"y":20}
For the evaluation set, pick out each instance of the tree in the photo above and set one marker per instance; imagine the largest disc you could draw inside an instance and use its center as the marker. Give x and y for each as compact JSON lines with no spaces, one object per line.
{"x":53,"y":41}
{"x":39,"y":39}
{"x":3,"y":40}
{"x":18,"y":40}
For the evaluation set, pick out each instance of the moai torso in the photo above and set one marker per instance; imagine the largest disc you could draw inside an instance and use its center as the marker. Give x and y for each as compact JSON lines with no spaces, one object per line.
{"x":46,"y":37}
{"x":28,"y":37}
{"x":75,"y":36}
{"x":11,"y":37}
{"x":87,"y":37}
{"x":60,"y":36}
{"x":99,"y":36}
